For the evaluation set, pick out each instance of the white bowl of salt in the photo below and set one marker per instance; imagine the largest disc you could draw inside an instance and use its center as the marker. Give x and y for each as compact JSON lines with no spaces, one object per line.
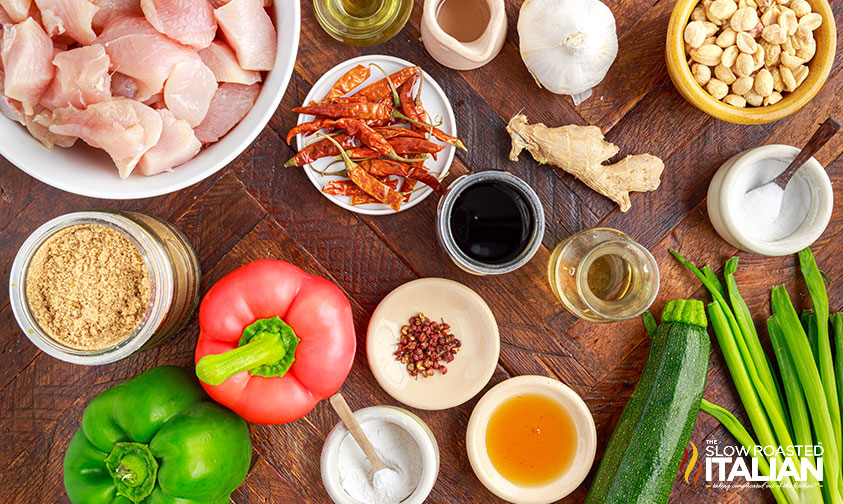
{"x":401,"y":439}
{"x":770,"y":221}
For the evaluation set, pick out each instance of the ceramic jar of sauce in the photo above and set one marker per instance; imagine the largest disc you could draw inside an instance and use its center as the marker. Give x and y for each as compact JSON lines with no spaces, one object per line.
{"x":463,"y":34}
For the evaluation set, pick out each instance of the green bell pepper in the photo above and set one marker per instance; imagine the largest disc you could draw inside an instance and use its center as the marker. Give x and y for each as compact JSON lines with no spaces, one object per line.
{"x":157,"y":439}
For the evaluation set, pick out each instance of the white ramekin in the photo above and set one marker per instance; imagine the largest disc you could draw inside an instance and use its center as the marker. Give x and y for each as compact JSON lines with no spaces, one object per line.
{"x":414,"y":425}
{"x":724,"y":201}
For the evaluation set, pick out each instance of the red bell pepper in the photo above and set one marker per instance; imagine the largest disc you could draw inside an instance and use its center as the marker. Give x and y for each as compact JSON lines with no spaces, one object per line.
{"x":273,"y":341}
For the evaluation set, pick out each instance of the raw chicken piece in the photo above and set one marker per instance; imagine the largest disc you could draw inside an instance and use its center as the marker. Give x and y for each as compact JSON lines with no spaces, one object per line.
{"x":9,"y":107}
{"x":223,"y":62}
{"x":177,"y":145}
{"x":27,"y":54}
{"x":250,"y":32}
{"x":229,"y":106}
{"x":189,"y":90}
{"x":123,"y":86}
{"x":123,"y":128}
{"x":156,"y":101}
{"x":5,"y":18}
{"x":190,"y":22}
{"x":71,"y":17}
{"x":82,"y":78}
{"x":139,"y":51}
{"x":39,"y":127}
{"x":17,"y":10}
{"x":109,"y":7}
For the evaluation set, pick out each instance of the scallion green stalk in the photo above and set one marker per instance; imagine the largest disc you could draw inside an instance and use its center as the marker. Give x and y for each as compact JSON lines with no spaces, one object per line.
{"x":812,"y":386}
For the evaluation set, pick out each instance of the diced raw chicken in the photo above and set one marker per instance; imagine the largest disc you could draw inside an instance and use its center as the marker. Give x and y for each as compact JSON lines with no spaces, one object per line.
{"x":250,"y":32}
{"x":190,"y":22}
{"x":123,"y":128}
{"x":223,"y":62}
{"x":177,"y":145}
{"x":17,"y":10}
{"x":82,"y":78}
{"x":109,"y":7}
{"x":27,"y":54}
{"x":219,"y":3}
{"x":5,"y":18}
{"x":9,"y":107}
{"x":230,"y":105}
{"x":71,"y":17}
{"x":189,"y":90}
{"x":39,"y":127}
{"x":139,"y":51}
{"x":123,"y":86}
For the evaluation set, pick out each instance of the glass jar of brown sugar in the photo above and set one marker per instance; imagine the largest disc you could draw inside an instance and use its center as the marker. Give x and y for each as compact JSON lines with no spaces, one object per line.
{"x":95,"y":287}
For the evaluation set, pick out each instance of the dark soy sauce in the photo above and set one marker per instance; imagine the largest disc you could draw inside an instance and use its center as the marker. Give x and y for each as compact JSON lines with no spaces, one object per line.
{"x":492,"y":222}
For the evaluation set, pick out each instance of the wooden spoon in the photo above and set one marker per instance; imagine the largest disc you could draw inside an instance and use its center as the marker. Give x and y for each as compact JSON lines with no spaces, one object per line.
{"x":350,"y":421}
{"x":820,"y":138}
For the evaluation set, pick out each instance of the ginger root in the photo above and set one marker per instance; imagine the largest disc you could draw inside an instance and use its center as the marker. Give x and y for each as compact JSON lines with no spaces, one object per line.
{"x":581,"y":151}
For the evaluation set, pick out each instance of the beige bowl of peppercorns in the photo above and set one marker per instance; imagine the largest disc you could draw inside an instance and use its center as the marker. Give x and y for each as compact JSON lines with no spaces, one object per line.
{"x":750,"y":61}
{"x":433,"y":343}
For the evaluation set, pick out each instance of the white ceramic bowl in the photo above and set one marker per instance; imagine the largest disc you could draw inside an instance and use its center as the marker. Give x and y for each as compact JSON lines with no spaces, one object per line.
{"x":414,"y":425}
{"x":471,"y":321}
{"x":90,"y":172}
{"x":475,"y":440}
{"x":724,"y":201}
{"x":435,"y":102}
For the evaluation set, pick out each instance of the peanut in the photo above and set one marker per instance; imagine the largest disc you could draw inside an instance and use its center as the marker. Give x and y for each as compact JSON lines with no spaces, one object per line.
{"x":716,"y":88}
{"x":778,"y":83}
{"x":800,"y":8}
{"x":772,"y":53}
{"x":702,"y":73}
{"x":800,"y":73}
{"x":730,"y":54}
{"x":744,"y":65}
{"x":774,"y":34}
{"x":723,"y":9}
{"x":804,"y":35}
{"x":771,"y":16}
{"x":710,"y":28}
{"x":787,"y":47}
{"x":811,"y":21}
{"x":787,"y":78}
{"x":746,"y":43}
{"x":774,"y":98}
{"x":807,"y":51}
{"x":744,"y":19}
{"x":788,"y":22}
{"x":695,"y":34}
{"x":727,"y":38}
{"x":711,"y":17}
{"x":708,"y":54}
{"x":791,"y":61}
{"x":763,"y":83}
{"x":754,"y":99}
{"x":698,"y":14}
{"x":724,"y":74}
{"x":743,"y":85}
{"x":735,"y":100}
{"x":758,"y":58}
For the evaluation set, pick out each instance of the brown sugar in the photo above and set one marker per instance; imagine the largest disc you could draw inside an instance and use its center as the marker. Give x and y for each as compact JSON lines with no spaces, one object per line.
{"x":88,"y":287}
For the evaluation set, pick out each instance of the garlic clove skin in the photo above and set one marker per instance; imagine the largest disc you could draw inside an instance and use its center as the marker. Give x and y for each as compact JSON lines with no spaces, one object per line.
{"x":567,"y":45}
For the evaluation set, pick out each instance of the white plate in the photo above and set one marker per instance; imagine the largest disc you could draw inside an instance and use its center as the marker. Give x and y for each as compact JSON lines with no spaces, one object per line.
{"x":435,"y":102}
{"x":471,"y":321}
{"x":90,"y":172}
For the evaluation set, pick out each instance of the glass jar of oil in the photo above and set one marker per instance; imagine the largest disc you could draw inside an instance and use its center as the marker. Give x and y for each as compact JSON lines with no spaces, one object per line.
{"x":603,"y":275}
{"x":362,"y":22}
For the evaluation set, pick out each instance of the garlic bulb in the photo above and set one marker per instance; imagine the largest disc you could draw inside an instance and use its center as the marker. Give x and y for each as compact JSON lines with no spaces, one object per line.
{"x":568,"y":45}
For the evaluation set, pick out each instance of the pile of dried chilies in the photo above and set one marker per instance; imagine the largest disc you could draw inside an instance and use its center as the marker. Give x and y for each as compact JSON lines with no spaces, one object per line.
{"x":794,"y":406}
{"x":382,"y":133}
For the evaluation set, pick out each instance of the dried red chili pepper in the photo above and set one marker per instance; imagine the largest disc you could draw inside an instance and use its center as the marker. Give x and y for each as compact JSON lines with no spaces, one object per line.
{"x":408,"y":145}
{"x":394,"y":131}
{"x":347,"y":82}
{"x":407,"y":188}
{"x":349,"y":188}
{"x":380,"y":89}
{"x":425,"y":177}
{"x":383,"y":167}
{"x":324,"y":148}
{"x":365,"y":199}
{"x":361,"y":110}
{"x":310,"y":127}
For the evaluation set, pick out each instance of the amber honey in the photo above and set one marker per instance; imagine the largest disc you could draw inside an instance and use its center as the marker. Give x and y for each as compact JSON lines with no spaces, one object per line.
{"x":531,"y":439}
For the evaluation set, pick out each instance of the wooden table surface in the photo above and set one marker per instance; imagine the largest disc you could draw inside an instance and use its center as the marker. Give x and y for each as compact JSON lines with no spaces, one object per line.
{"x":255,"y":209}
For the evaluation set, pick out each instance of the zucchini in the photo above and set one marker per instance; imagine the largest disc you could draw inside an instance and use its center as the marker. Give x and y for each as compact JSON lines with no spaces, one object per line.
{"x":646,"y":448}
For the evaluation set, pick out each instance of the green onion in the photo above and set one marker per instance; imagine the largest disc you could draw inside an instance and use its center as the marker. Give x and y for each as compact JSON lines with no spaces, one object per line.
{"x":728,"y":420}
{"x":812,"y":386}
{"x":819,"y":297}
{"x":650,"y":323}
{"x":837,"y":323}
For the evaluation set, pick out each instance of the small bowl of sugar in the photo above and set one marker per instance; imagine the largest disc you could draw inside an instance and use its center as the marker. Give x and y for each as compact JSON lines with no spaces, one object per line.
{"x":402,"y":441}
{"x":769,"y":220}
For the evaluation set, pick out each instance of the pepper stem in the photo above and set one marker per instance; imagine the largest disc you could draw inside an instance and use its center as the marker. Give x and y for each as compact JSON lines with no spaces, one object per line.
{"x":396,"y":101}
{"x":133,"y":469}
{"x":267,"y":349}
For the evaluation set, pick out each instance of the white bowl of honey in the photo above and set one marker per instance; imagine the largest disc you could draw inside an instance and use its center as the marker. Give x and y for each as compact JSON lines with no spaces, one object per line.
{"x":531,"y":440}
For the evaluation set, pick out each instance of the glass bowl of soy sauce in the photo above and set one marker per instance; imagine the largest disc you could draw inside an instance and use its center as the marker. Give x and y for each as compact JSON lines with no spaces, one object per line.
{"x":490,"y":222}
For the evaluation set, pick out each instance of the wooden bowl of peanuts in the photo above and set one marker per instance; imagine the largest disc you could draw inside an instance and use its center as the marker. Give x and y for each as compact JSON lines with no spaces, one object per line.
{"x":750,"y":61}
